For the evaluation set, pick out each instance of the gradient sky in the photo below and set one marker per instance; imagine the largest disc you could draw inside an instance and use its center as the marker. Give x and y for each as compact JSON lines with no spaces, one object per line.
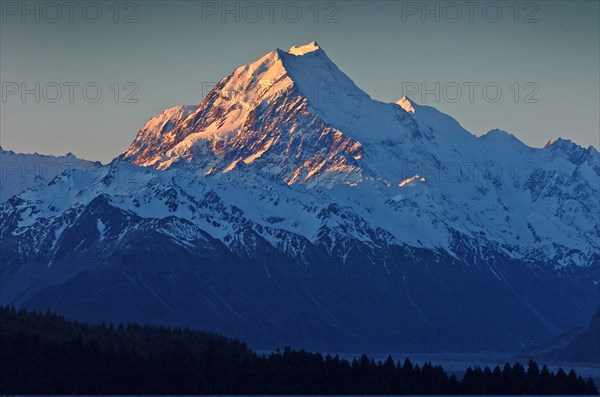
{"x":176,"y":50}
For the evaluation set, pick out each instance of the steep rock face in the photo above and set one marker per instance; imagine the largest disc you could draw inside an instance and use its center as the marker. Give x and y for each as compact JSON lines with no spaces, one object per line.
{"x":157,"y":134}
{"x":272,"y":111}
{"x":291,"y":208}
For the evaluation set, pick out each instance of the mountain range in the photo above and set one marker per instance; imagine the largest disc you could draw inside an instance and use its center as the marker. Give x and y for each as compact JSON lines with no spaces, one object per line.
{"x":289,"y":207}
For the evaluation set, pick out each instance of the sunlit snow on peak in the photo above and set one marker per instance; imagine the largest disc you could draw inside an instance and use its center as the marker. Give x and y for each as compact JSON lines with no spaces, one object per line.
{"x":406,"y":104}
{"x":304,"y":49}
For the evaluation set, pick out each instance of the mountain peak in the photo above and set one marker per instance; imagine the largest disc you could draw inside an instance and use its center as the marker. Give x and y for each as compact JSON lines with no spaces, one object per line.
{"x":503,"y":139}
{"x":559,"y":143}
{"x":304,"y":49}
{"x":496,"y":132}
{"x":406,"y":104}
{"x":286,"y":109}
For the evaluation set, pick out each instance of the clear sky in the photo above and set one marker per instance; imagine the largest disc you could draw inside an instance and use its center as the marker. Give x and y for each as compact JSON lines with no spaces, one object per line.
{"x":543,"y":56}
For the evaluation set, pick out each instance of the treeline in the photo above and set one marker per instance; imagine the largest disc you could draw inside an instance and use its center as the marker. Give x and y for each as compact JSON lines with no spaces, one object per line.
{"x":45,"y":354}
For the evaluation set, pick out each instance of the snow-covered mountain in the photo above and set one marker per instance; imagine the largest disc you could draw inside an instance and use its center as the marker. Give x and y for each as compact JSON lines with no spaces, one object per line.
{"x":22,"y":171}
{"x":290,"y":207}
{"x":261,"y":119}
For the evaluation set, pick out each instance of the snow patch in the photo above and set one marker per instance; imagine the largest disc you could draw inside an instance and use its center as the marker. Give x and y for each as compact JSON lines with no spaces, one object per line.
{"x":304,"y":49}
{"x":406,"y":104}
{"x":101,"y":228}
{"x":411,"y":180}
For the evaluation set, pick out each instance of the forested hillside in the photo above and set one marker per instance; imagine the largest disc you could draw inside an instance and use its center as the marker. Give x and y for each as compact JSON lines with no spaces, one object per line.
{"x":44,"y":353}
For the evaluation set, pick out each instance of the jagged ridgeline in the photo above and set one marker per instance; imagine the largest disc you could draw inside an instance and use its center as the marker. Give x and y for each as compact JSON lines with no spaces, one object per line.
{"x":45,"y":354}
{"x":288,"y":207}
